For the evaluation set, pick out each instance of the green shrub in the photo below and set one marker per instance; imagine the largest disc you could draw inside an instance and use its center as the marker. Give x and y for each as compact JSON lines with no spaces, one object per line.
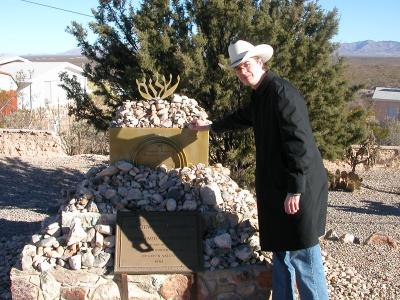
{"x":79,"y":137}
{"x":392,"y":137}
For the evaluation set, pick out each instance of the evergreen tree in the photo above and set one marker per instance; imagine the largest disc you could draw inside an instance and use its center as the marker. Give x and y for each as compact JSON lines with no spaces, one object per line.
{"x":191,"y":39}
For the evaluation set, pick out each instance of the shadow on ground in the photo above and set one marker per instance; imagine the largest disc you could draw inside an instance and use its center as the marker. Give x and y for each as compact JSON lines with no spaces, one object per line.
{"x":371,"y":208}
{"x":29,"y":187}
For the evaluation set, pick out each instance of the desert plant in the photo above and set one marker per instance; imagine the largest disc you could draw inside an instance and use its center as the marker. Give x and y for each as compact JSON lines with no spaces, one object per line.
{"x":28,"y":119}
{"x":344,"y":181}
{"x":366,"y":153}
{"x":79,"y":137}
{"x":392,"y":136}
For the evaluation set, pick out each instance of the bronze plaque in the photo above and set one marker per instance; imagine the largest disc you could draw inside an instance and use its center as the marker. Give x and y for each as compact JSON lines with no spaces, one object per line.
{"x":174,"y":147}
{"x":158,"y":242}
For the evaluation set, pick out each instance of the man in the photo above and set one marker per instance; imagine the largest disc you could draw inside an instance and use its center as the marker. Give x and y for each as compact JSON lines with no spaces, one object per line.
{"x":291,"y":182}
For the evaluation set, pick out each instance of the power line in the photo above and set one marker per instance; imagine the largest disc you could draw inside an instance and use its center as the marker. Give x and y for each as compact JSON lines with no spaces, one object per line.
{"x":53,"y":7}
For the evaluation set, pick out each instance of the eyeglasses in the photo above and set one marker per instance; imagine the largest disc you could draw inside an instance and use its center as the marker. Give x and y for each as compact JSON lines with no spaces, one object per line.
{"x":244,"y":66}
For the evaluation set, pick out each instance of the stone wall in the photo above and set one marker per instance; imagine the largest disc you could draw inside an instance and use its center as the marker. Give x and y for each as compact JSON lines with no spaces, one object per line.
{"x":22,"y":142}
{"x":245,"y":282}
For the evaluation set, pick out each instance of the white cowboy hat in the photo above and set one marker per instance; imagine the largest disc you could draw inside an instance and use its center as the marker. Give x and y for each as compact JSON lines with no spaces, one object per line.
{"x":242,"y":50}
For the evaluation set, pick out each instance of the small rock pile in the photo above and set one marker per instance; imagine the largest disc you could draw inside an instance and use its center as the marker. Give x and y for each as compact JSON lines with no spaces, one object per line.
{"x":231,"y":239}
{"x":158,"y":113}
{"x":77,"y":249}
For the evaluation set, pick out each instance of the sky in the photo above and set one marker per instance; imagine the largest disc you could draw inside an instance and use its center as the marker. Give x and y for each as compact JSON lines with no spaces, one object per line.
{"x":27,"y":28}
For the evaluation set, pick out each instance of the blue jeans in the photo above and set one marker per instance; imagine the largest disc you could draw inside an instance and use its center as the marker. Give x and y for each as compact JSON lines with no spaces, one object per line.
{"x":303,"y":267}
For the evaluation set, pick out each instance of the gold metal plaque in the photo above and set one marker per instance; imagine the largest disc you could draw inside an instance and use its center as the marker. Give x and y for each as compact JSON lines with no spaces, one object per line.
{"x":173,"y":147}
{"x":158,"y":242}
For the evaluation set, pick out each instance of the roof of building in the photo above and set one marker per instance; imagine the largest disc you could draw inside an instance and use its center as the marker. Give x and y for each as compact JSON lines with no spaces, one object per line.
{"x":384,"y":93}
{"x":4,"y":60}
{"x":34,"y":70}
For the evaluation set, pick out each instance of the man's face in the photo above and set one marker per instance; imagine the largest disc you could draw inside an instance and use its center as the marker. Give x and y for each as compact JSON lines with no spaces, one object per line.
{"x":250,"y":72}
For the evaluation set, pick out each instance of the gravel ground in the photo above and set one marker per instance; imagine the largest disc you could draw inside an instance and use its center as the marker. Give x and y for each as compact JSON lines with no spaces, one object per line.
{"x":30,"y":191}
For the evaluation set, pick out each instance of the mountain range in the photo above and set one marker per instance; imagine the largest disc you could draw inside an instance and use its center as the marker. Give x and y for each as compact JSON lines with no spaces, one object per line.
{"x":370,"y":49}
{"x":367,"y":48}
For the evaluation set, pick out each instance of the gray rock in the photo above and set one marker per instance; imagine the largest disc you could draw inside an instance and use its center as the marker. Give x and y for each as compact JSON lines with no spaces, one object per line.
{"x":76,"y":233}
{"x":223,"y":240}
{"x":171,"y":204}
{"x":101,"y":260}
{"x":75,"y":262}
{"x":211,"y":194}
{"x":87,"y":259}
{"x":104,"y":229}
{"x":124,"y":165}
{"x":46,"y":242}
{"x":244,"y":252}
{"x":50,"y":286}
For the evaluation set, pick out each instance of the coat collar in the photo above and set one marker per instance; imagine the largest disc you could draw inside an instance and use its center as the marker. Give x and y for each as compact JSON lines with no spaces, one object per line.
{"x":265,"y":83}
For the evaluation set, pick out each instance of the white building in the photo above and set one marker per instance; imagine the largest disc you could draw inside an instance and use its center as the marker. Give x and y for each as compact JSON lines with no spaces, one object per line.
{"x":37,"y":83}
{"x":386,"y":103}
{"x":8,"y":80}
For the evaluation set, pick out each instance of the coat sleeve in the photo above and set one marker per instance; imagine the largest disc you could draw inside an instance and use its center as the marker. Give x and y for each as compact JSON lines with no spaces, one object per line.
{"x":240,"y":119}
{"x":296,"y":136}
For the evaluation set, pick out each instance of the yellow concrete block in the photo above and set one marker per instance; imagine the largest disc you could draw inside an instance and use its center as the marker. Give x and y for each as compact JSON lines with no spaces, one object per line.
{"x":174,"y":147}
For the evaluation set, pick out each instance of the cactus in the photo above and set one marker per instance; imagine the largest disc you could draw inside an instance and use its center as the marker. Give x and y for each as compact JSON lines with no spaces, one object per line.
{"x":344,"y":181}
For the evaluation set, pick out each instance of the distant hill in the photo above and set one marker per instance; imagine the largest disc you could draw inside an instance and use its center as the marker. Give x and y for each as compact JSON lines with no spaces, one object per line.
{"x":73,"y":59}
{"x":71,"y":52}
{"x":370,"y":49}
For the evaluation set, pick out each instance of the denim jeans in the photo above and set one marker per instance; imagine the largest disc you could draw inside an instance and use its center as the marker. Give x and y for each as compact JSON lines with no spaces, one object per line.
{"x":303,"y":267}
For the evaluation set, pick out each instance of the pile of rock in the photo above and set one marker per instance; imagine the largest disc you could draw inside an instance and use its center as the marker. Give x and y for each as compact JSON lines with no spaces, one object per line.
{"x":231,"y":238}
{"x":79,"y":248}
{"x":158,"y":113}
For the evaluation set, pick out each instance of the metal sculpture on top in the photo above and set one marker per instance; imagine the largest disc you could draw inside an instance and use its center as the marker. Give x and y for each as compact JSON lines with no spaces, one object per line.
{"x":163,"y":87}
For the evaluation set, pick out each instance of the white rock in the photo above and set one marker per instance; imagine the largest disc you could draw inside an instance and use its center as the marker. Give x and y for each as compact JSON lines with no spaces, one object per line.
{"x":44,"y":266}
{"x":75,"y":262}
{"x":211,"y":194}
{"x":36,"y":238}
{"x":53,"y":228}
{"x":99,"y":240}
{"x":76,"y":233}
{"x":347,"y":238}
{"x":223,"y":240}
{"x":104,"y":229}
{"x":26,"y":263}
{"x":29,"y":250}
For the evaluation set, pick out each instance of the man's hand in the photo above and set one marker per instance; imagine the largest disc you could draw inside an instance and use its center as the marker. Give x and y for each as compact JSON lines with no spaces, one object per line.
{"x":199,"y":125}
{"x":292,"y":203}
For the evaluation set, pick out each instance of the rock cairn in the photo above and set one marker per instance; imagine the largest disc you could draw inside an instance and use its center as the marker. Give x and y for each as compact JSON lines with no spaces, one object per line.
{"x":159,"y":113}
{"x":231,"y":238}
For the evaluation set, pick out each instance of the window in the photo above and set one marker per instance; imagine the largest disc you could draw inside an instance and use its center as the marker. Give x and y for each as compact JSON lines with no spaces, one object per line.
{"x":392,"y":112}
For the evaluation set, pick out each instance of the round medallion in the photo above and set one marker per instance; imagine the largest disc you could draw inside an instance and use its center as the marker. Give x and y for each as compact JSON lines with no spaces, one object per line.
{"x":159,"y":150}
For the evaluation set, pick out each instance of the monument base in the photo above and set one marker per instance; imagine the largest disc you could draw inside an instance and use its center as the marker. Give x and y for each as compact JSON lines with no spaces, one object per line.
{"x":245,"y":282}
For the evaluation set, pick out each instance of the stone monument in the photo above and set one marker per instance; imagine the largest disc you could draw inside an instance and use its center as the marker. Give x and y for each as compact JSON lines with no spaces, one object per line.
{"x":150,"y":172}
{"x":153,"y":144}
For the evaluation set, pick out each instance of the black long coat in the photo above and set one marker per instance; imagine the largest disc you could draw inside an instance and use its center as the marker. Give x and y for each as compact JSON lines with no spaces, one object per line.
{"x":287,"y":161}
